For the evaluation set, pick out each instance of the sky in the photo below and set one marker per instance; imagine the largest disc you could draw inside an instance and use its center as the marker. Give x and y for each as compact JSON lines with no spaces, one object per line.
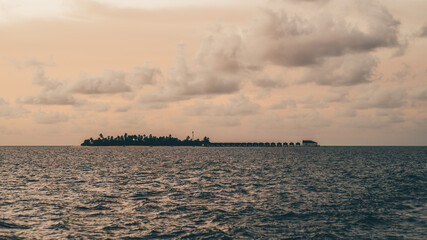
{"x":340,"y":72}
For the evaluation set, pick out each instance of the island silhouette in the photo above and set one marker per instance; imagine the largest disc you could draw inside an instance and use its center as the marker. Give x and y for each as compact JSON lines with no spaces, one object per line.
{"x":150,"y":140}
{"x":144,"y":140}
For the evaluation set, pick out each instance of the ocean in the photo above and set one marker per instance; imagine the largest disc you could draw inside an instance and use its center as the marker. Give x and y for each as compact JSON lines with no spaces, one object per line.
{"x":213,"y":193}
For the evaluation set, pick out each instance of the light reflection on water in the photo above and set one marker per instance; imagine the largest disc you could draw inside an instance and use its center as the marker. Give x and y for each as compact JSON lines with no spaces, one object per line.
{"x":191,"y":192}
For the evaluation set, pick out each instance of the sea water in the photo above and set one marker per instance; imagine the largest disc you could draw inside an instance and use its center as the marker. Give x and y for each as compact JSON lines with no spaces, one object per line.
{"x":213,"y":193}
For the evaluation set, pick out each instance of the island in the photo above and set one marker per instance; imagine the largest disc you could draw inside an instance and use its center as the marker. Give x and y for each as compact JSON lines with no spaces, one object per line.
{"x":144,"y":140}
{"x":150,"y":140}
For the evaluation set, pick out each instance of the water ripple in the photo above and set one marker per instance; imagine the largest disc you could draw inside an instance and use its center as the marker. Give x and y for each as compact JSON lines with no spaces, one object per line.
{"x":213,"y":193}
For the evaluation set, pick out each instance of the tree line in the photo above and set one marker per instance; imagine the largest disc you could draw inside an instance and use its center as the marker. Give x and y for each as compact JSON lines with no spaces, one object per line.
{"x":143,"y":140}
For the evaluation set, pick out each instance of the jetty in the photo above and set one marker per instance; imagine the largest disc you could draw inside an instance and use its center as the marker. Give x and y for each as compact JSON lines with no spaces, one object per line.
{"x":305,"y":143}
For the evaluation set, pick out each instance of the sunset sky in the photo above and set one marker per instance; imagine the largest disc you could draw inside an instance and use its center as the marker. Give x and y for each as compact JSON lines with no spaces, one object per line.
{"x":341,"y":72}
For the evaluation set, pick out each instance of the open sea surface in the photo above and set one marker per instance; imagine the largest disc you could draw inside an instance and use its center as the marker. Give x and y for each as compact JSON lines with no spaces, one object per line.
{"x":213,"y":193}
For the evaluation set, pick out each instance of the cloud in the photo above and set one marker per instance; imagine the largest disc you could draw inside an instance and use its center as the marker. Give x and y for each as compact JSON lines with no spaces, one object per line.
{"x":404,"y":74}
{"x":204,"y":81}
{"x":267,"y":82}
{"x":381,"y":97}
{"x":333,"y":51}
{"x":94,"y":106}
{"x":300,"y":121}
{"x":35,"y":63}
{"x":50,"y":117}
{"x":337,"y":95}
{"x":342,"y":71}
{"x":284,"y":103}
{"x":51,"y":96}
{"x":124,"y":108}
{"x":223,"y":49}
{"x":7,"y":131}
{"x":311,"y":1}
{"x":161,"y":97}
{"x":222,"y":121}
{"x":112,"y":82}
{"x":9,"y":111}
{"x":220,"y":50}
{"x":345,"y":112}
{"x":423,"y":31}
{"x":52,"y":92}
{"x":378,"y":119}
{"x":390,"y":116}
{"x":144,"y":75}
{"x":109,"y":82}
{"x":293,"y":41}
{"x":238,"y":105}
{"x":307,"y":101}
{"x":420,"y":93}
{"x":184,"y":84}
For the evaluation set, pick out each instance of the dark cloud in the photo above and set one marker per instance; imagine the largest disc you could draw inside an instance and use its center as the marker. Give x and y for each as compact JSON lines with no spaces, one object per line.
{"x":50,"y":117}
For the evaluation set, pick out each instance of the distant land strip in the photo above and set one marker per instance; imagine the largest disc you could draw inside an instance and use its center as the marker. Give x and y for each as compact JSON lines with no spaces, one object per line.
{"x":150,"y":140}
